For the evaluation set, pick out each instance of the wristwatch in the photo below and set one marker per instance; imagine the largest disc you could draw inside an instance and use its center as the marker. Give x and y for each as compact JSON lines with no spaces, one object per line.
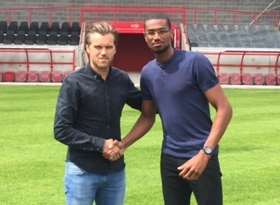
{"x":208,"y":150}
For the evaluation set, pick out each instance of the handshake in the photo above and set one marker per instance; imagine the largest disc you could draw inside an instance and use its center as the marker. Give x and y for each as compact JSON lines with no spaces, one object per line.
{"x":113,"y":149}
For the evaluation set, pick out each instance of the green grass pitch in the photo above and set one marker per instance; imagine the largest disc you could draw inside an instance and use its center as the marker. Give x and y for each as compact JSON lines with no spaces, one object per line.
{"x":32,"y":162}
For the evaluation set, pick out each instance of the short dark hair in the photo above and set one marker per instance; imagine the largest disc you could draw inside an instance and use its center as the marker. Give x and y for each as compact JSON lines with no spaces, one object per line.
{"x":158,"y":16}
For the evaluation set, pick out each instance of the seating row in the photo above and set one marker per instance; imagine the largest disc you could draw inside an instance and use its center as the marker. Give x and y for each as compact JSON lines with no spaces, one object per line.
{"x":249,"y":79}
{"x":33,"y":76}
{"x":58,"y":76}
{"x":36,"y":33}
{"x":229,"y":28}
{"x":254,"y":37}
{"x":43,"y":27}
{"x":40,"y":39}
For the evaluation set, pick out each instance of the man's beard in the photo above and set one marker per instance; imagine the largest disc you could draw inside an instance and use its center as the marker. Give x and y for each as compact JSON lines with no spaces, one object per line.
{"x":162,"y":50}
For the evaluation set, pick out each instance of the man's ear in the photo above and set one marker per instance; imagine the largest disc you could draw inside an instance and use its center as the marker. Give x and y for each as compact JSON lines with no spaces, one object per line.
{"x":172,"y":37}
{"x":145,"y":37}
{"x":172,"y":34}
{"x":86,"y":48}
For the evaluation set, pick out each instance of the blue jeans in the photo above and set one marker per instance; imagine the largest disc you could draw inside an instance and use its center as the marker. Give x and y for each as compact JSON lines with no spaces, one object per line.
{"x":84,"y":188}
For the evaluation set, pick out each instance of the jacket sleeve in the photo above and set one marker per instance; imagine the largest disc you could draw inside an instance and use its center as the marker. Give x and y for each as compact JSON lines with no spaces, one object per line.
{"x":65,"y":116}
{"x":134,"y":97}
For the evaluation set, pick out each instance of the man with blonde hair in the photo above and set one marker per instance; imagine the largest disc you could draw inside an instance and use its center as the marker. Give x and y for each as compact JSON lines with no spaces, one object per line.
{"x":87,"y":120}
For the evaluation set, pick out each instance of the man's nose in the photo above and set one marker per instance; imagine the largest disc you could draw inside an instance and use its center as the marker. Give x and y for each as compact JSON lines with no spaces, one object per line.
{"x":103,"y":51}
{"x":156,"y":35}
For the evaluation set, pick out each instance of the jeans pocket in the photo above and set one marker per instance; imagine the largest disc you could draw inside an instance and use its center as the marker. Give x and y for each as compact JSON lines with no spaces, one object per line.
{"x":73,"y":169}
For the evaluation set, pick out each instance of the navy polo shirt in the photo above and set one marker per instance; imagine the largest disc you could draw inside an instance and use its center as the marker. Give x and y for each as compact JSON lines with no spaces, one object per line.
{"x":177,"y":89}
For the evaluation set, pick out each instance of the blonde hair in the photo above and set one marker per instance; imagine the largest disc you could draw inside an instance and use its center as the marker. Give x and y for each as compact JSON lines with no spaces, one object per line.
{"x":102,"y":28}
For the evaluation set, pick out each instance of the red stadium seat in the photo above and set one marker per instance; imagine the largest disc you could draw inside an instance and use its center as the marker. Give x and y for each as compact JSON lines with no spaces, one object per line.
{"x":21,"y":76}
{"x":8,"y":76}
{"x":235,"y":79}
{"x":32,"y":76}
{"x":259,"y":79}
{"x":1,"y":77}
{"x":224,"y":78}
{"x":270,"y":79}
{"x":45,"y":76}
{"x":57,"y":76}
{"x":247,"y":79}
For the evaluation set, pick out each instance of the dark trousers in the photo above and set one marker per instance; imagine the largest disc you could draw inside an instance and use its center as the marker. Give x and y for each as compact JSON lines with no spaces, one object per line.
{"x":177,"y":191}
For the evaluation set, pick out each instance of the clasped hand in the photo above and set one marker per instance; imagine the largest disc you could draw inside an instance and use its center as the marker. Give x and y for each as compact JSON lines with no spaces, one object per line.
{"x":113,"y":149}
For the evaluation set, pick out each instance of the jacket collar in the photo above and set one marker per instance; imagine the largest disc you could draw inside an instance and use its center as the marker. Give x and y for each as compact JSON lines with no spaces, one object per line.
{"x":96,"y":75}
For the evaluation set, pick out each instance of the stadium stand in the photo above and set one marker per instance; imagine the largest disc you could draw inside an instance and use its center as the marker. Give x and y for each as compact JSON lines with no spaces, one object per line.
{"x":207,"y":26}
{"x":40,"y":33}
{"x":36,"y":64}
{"x":234,"y":36}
